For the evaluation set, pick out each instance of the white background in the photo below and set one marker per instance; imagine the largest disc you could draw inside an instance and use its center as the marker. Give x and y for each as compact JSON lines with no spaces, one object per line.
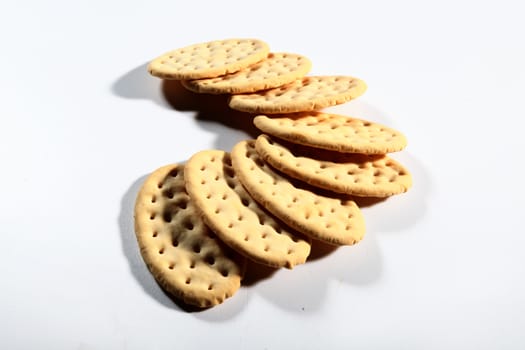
{"x":82,"y":124}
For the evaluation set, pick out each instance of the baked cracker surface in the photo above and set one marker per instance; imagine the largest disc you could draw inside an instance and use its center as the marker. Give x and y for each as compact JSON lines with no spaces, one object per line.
{"x":306,"y":94}
{"x":333,"y":132}
{"x":209,"y":59}
{"x":184,"y":256}
{"x":237,"y":219}
{"x":349,"y":173}
{"x":276,"y":70}
{"x":333,"y":219}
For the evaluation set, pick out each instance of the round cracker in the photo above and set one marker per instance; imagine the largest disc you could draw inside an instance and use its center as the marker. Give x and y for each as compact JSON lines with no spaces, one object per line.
{"x":306,"y":94}
{"x":237,"y":219}
{"x":348,"y":173}
{"x":209,"y":59}
{"x":276,"y":70}
{"x":332,"y":132}
{"x":335,"y":220}
{"x":183,"y":254}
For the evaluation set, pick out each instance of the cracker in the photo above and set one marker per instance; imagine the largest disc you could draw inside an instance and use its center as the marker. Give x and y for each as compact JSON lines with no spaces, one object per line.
{"x":349,"y":173}
{"x":335,"y":220}
{"x":209,"y":59}
{"x":332,"y":132}
{"x":183,"y":255}
{"x":276,"y":70}
{"x":237,"y":219}
{"x":306,"y":94}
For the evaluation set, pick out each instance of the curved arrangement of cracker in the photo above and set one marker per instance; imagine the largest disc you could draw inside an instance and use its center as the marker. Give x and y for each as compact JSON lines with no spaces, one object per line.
{"x":236,"y":218}
{"x":333,"y":132}
{"x":183,"y":254}
{"x":271,"y":198}
{"x":330,"y":219}
{"x":276,"y":70}
{"x":307,"y":94}
{"x":350,"y":173}
{"x":208,"y":60}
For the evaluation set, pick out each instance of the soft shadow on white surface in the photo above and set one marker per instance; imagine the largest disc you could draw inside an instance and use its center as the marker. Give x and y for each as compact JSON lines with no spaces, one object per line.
{"x":403,"y":211}
{"x":212,"y":113}
{"x":139,"y":84}
{"x":304,"y":288}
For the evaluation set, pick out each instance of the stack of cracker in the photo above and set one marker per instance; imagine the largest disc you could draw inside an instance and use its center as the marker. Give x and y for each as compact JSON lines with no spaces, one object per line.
{"x":268,"y":199}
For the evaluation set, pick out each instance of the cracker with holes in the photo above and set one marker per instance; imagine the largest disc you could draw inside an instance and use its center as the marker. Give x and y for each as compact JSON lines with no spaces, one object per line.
{"x":237,"y":219}
{"x":183,"y":254}
{"x":209,"y":59}
{"x":333,"y":219}
{"x":332,"y":132}
{"x":276,"y":70}
{"x":306,"y":94}
{"x":350,"y":173}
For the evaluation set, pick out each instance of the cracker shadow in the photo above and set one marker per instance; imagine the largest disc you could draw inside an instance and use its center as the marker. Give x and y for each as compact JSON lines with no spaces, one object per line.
{"x":211,"y":111}
{"x":139,"y":84}
{"x":365,"y":202}
{"x":212,"y":114}
{"x":320,"y":249}
{"x":402,"y":211}
{"x":304,"y":289}
{"x":256,"y":273}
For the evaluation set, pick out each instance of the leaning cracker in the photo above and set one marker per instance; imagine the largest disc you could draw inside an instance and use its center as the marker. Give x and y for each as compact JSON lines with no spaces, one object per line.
{"x":236,"y":218}
{"x":332,"y":132}
{"x":330,"y":219}
{"x":183,"y":255}
{"x":305,"y":94}
{"x":349,"y":173}
{"x":209,"y":59}
{"x":276,"y":70}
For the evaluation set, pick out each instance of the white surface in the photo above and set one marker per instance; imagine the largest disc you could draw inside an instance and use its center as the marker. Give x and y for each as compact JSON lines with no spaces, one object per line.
{"x":82,"y":123}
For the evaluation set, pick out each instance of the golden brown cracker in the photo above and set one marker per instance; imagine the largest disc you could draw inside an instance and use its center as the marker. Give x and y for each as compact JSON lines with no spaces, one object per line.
{"x":349,"y":173}
{"x":237,"y":219}
{"x":333,"y":132}
{"x":306,"y":94}
{"x":184,"y":255}
{"x":336,"y":220}
{"x":276,"y":70}
{"x":209,"y":59}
